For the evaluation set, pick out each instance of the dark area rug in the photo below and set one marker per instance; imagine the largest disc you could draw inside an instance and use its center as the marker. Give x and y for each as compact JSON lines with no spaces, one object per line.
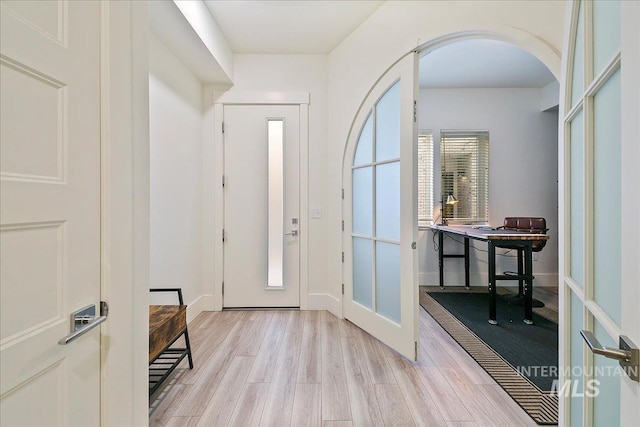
{"x":519,"y":357}
{"x":531,"y":349}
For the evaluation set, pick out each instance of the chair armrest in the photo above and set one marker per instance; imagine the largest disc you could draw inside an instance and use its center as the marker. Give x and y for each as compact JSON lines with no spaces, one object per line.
{"x":178,"y":290}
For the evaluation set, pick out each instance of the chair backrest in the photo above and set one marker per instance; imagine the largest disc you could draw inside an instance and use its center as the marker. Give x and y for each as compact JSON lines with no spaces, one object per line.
{"x":528,"y":225}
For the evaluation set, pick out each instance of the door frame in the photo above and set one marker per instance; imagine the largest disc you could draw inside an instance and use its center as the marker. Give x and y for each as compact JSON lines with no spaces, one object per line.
{"x":124,"y":223}
{"x":213,"y":196}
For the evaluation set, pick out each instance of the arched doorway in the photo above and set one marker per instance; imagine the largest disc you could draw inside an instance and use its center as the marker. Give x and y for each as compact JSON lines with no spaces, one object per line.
{"x":367,"y":272}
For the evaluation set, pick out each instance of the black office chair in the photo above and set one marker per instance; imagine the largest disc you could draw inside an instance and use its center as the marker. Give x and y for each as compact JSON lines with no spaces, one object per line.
{"x":525,"y":225}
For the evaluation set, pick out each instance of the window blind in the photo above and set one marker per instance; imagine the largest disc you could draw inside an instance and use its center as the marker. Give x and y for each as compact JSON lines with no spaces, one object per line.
{"x":425,"y":177}
{"x":464,"y":163}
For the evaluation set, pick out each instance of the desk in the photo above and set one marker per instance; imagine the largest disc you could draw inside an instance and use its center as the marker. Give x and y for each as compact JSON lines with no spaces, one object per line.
{"x":505,"y":239}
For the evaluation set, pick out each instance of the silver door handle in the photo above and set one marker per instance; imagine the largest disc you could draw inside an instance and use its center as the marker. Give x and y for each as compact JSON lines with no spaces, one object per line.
{"x":83,"y":320}
{"x":628,"y":355}
{"x":292,"y":233}
{"x":596,"y":347}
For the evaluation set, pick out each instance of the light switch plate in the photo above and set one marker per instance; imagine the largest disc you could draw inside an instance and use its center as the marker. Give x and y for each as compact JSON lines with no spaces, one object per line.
{"x":316,"y":213}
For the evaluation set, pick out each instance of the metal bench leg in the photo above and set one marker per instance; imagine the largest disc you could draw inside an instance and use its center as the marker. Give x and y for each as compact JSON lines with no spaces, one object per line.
{"x":188,"y":345}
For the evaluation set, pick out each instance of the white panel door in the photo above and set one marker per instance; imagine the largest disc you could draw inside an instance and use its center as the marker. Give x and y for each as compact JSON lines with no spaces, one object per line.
{"x":49,"y":211}
{"x":261,"y":205}
{"x":380,"y":212}
{"x":600,"y":292}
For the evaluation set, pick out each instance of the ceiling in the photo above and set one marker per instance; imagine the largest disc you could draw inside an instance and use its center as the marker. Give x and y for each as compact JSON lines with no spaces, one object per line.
{"x":288,"y":27}
{"x":319,"y":26}
{"x":482,"y":64}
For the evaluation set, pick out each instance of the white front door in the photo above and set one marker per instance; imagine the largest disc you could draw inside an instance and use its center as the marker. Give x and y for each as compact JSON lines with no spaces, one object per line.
{"x":600,"y":289}
{"x":261,"y":206}
{"x":380,"y":212}
{"x":49,"y":211}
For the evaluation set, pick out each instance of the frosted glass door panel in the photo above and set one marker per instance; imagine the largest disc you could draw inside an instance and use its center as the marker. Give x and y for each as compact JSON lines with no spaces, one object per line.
{"x":577,"y":85}
{"x":606,"y":32}
{"x":363,"y":201}
{"x":577,"y":200}
{"x":608,"y":373}
{"x":577,"y":358}
{"x":388,"y":280}
{"x":388,"y":201}
{"x":362,"y":268}
{"x":364,"y":150}
{"x":607,"y":197}
{"x":388,"y":125}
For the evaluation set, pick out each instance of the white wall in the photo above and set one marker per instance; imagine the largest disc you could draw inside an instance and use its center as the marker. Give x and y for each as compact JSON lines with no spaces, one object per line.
{"x":396,"y":28}
{"x":523,"y":172}
{"x":175,"y":121}
{"x":298,"y":73}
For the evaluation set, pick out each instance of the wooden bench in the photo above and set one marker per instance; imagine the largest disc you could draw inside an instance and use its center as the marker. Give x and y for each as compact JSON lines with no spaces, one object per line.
{"x":167,"y":323}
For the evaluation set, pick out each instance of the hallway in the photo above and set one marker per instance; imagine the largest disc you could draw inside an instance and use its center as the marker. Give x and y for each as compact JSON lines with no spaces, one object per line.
{"x":310,"y":368}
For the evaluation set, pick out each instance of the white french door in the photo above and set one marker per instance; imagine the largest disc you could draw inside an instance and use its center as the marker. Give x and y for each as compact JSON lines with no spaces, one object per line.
{"x":261,"y":206}
{"x":600,"y":235}
{"x":49,"y":211}
{"x":380,"y":212}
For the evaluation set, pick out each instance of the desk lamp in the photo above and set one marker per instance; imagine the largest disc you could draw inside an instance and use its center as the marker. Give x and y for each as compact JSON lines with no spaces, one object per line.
{"x":451,"y":200}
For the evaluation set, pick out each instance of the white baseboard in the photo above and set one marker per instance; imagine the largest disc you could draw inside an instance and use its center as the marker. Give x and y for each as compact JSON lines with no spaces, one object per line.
{"x":457,"y":279}
{"x":202,"y":303}
{"x":325,"y":302}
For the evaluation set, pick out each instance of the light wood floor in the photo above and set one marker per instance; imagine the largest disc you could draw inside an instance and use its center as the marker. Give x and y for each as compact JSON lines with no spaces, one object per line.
{"x":308,"y":368}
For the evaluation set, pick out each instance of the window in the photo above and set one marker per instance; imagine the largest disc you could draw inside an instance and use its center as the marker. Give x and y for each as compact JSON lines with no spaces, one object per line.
{"x":464,"y":160}
{"x":425,"y":177}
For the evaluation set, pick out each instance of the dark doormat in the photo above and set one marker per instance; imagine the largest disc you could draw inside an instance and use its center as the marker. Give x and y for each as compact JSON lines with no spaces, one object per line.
{"x":521,"y":358}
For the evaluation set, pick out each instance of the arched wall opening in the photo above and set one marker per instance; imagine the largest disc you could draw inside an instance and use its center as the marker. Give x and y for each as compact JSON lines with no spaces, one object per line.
{"x":506,"y":202}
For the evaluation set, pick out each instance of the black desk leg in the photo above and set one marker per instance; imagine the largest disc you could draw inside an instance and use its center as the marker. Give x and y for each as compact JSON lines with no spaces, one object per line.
{"x":466,"y":262}
{"x":520,"y":272}
{"x":441,"y":257}
{"x":528,"y":284}
{"x":492,"y":284}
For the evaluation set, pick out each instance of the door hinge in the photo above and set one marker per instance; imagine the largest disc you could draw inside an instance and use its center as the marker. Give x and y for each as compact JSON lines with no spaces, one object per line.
{"x":343,"y":289}
{"x":222,"y":127}
{"x":343,"y":193}
{"x":223,"y":235}
{"x":342,"y":256}
{"x":415,"y":111}
{"x":223,"y":180}
{"x":413,"y":245}
{"x":222,"y":288}
{"x":342,"y":225}
{"x":416,"y":350}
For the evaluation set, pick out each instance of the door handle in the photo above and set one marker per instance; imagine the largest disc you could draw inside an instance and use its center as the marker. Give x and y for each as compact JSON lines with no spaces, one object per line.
{"x":628,"y":355}
{"x":292,"y":233}
{"x":83,"y":320}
